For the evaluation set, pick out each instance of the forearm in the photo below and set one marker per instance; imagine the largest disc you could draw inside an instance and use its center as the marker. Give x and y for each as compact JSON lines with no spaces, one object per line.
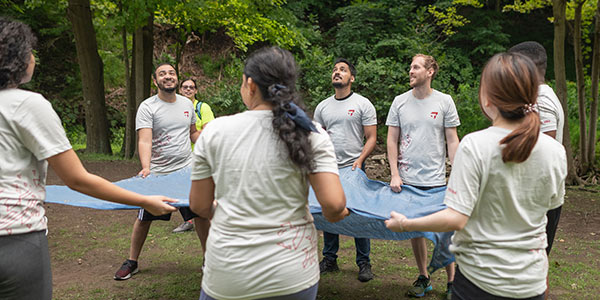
{"x":441,"y":221}
{"x":392,"y":155}
{"x":99,"y":187}
{"x":145,"y":153}
{"x":367,"y":149}
{"x":202,"y":197}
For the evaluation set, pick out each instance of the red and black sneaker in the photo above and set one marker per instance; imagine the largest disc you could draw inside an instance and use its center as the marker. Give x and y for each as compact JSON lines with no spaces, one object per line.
{"x":128,"y":268}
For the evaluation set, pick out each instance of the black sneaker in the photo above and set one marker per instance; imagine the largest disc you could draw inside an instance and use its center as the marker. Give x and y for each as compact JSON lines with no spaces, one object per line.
{"x":364,"y":272}
{"x":328,"y":265}
{"x":128,"y":268}
{"x":421,"y":286}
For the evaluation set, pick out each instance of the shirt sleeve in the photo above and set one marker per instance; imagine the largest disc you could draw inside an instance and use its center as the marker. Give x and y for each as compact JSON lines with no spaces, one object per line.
{"x":369,"y":115}
{"x":200,"y":159}
{"x":317,"y":116}
{"x":393,"y":119}
{"x":206,"y":113}
{"x":451,"y":115}
{"x":40,"y":129}
{"x":323,"y":152}
{"x":462,"y":193}
{"x":143,"y":117}
{"x":561,"y":174}
{"x":548,"y":114}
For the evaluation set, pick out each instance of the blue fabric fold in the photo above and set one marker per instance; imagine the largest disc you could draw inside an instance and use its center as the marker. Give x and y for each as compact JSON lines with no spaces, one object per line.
{"x":369,"y":201}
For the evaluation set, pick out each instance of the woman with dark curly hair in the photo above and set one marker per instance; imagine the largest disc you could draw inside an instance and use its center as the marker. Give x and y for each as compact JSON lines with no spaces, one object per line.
{"x":31,"y":137}
{"x":258,"y":165}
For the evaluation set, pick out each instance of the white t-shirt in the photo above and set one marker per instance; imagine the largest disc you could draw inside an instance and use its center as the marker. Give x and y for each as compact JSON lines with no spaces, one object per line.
{"x":262,"y":241}
{"x":502,"y":248}
{"x":170,"y":123}
{"x":422,"y":143}
{"x":344,"y":120}
{"x":551,"y":112}
{"x":30,"y":132}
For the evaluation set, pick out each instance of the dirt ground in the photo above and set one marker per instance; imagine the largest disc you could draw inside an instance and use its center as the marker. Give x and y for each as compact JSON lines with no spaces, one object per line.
{"x":72,"y":228}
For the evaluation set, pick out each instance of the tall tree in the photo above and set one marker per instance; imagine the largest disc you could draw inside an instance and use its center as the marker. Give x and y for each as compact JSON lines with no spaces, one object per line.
{"x":580,"y":77}
{"x":595,"y":77}
{"x":92,"y":75}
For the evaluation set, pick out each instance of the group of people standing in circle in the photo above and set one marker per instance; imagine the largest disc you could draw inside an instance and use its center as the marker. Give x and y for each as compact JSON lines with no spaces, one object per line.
{"x":251,"y":174}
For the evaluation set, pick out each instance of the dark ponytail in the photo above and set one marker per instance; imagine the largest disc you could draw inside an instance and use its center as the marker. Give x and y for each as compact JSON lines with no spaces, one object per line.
{"x":510,"y":82}
{"x":274,"y":71}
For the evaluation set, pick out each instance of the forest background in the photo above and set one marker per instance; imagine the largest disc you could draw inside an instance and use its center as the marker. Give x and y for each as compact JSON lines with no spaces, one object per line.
{"x":95,"y":58}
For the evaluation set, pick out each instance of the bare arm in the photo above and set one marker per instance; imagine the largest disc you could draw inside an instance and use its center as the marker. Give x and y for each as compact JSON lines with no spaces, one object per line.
{"x":145,"y":150}
{"x":392,"y":153}
{"x":329,"y":193}
{"x":69,"y":168}
{"x":194,"y":133}
{"x":452,"y":142}
{"x":551,"y":133}
{"x":441,"y":221}
{"x":371,"y":136}
{"x":202,"y":196}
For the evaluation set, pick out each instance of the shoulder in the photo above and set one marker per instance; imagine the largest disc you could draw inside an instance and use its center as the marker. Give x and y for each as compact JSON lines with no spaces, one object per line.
{"x":360,"y":98}
{"x":441,"y":96}
{"x":402,"y":98}
{"x":324,"y":102}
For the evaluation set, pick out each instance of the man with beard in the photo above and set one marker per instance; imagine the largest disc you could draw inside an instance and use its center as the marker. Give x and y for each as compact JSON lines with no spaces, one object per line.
{"x":349,"y":118}
{"x":422,"y":122}
{"x":166,"y":125}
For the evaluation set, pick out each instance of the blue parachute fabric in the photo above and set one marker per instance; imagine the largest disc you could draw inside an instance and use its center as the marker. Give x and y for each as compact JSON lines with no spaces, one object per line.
{"x":175,"y":185}
{"x":371,"y":202}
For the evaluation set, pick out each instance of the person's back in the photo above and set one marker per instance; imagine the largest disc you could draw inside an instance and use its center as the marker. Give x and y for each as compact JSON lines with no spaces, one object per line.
{"x":506,"y":228}
{"x":250,"y":176}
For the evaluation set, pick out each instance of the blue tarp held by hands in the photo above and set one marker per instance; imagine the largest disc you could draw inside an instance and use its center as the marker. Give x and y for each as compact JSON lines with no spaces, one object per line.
{"x":369,"y":201}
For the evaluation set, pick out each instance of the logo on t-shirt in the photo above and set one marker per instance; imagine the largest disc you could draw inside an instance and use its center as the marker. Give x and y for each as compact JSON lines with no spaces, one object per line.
{"x":186,"y":114}
{"x":433,"y":114}
{"x":350,"y":112}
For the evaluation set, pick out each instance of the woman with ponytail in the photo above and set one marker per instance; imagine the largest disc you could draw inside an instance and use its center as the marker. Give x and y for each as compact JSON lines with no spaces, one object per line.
{"x":503,"y":181}
{"x":251,"y":174}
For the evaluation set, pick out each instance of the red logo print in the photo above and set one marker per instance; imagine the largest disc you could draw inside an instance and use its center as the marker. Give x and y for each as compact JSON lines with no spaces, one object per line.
{"x":186,"y":114}
{"x":350,"y":112}
{"x":433,"y":114}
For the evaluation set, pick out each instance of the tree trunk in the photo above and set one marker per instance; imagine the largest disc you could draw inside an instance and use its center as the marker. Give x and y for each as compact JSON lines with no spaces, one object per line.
{"x":559,"y":13}
{"x":142,"y":58}
{"x":580,"y":75}
{"x":92,"y":76}
{"x":128,"y":147}
{"x":594,"y":105}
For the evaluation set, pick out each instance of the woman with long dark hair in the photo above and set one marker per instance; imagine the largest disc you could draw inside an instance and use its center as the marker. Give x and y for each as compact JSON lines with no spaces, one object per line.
{"x":257,"y":165}
{"x":31,"y":137}
{"x":503,"y":181}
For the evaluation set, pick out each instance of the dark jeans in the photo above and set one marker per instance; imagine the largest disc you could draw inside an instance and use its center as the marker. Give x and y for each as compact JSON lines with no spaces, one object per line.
{"x":331,"y":245}
{"x":464,"y":289}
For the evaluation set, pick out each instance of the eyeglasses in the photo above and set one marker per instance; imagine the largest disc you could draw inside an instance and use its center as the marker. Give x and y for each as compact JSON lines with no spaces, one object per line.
{"x":188,"y":87}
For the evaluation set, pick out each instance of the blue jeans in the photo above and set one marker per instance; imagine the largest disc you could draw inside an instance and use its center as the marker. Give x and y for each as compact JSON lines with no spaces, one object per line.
{"x":331,"y":245}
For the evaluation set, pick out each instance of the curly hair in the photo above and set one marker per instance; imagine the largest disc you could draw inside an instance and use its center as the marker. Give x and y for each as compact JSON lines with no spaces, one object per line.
{"x":274,"y":71}
{"x":16,"y":43}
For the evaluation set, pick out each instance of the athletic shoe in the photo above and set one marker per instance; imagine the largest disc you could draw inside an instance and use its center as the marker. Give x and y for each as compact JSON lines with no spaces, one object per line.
{"x":421,"y":286}
{"x":328,"y":265}
{"x":185,"y":226}
{"x":364,"y":272}
{"x":449,"y":291}
{"x":128,"y":268}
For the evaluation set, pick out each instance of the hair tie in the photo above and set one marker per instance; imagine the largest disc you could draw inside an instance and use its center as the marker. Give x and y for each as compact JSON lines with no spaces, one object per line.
{"x":529,"y":108}
{"x":299,"y":117}
{"x":275,"y":88}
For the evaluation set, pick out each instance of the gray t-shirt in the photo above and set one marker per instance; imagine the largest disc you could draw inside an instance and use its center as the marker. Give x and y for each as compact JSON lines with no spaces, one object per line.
{"x":502,"y":248}
{"x":422,"y":147}
{"x":551,"y":112}
{"x":170,"y":123}
{"x":344,"y":121}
